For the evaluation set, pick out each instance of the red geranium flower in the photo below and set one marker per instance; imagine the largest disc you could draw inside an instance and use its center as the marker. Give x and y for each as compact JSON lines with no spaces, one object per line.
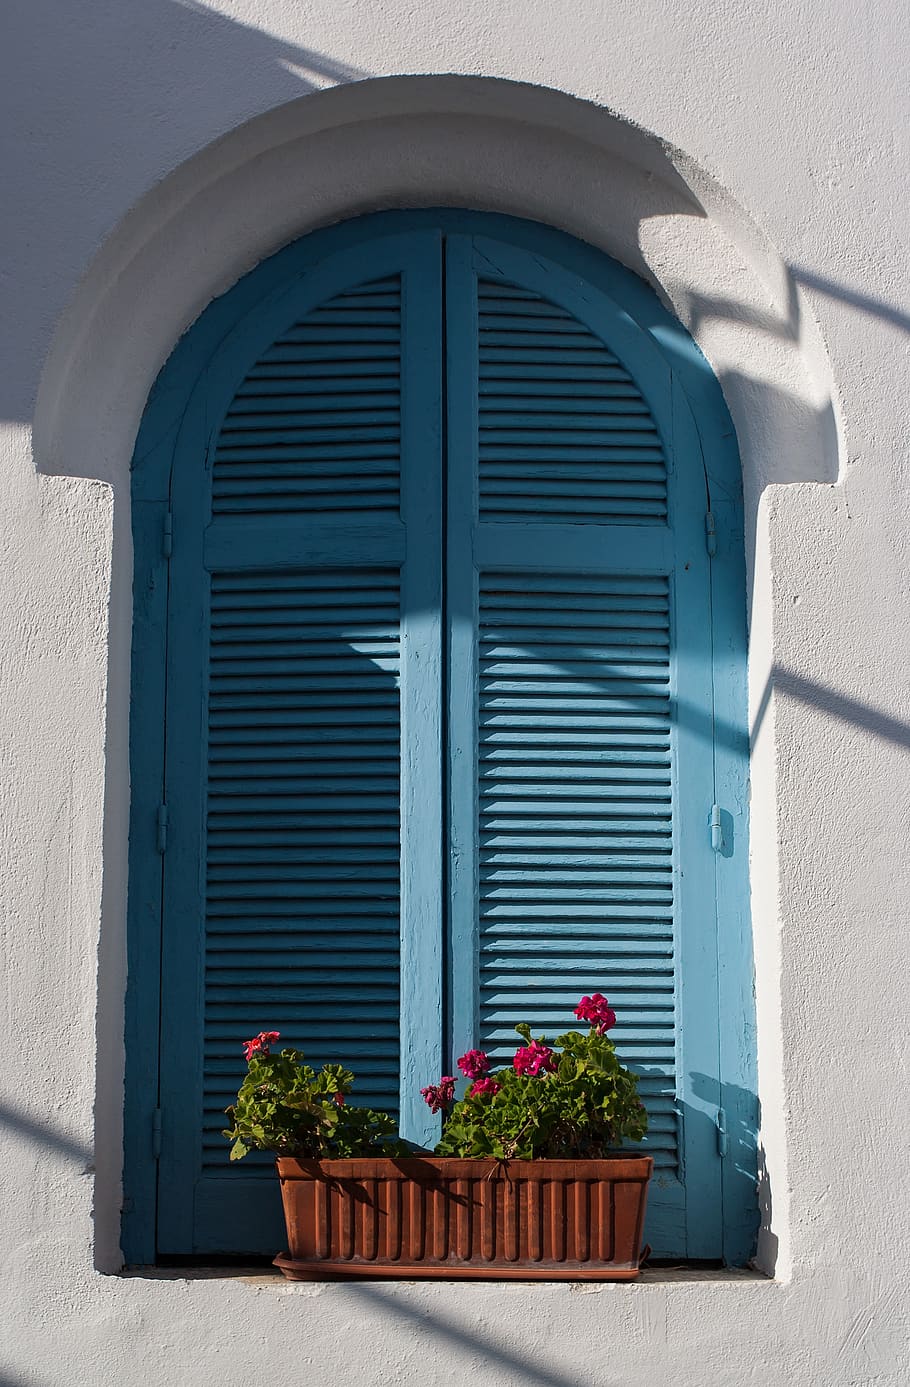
{"x":260,"y":1044}
{"x":439,"y":1096}
{"x":534,"y":1059}
{"x":474,"y":1064}
{"x":597,"y":1010}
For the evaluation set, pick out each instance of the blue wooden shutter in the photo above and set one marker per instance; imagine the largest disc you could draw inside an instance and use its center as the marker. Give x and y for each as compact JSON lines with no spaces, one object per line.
{"x":314,"y":654}
{"x":302,"y":872}
{"x":580,"y":613}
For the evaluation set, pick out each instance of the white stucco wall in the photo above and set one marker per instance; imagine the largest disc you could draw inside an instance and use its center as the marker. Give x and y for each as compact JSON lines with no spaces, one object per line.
{"x":153,"y":151}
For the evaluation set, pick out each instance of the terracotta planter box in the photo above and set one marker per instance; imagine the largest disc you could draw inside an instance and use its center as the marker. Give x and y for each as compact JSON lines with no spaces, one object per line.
{"x":433,"y":1216}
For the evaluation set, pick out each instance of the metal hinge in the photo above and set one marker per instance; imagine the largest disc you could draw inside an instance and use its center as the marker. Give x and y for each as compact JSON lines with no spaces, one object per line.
{"x":167,"y":535}
{"x":720,"y":1123}
{"x":717,"y":833}
{"x":156,"y":1133}
{"x":710,"y":534}
{"x":162,"y":828}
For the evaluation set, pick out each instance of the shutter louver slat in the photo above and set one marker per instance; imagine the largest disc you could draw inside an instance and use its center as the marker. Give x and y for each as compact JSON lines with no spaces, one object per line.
{"x":576,"y":818}
{"x":315,"y":426}
{"x":564,"y":434}
{"x":302,"y":880}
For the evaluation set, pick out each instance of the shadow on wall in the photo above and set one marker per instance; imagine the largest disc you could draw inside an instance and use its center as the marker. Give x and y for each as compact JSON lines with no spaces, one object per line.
{"x":787,"y":324}
{"x":782,"y":450}
{"x":829,"y":288}
{"x":130,"y":89}
{"x":135,"y":89}
{"x":825,"y":700}
{"x":41,"y":1135}
{"x":453,"y":1336}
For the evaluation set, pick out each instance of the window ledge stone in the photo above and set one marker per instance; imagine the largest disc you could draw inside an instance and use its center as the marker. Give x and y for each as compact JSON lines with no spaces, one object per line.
{"x":264,"y":1277}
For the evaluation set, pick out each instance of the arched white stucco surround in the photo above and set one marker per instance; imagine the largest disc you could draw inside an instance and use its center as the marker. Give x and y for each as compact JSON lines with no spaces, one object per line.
{"x":434,"y":141}
{"x":431,"y":141}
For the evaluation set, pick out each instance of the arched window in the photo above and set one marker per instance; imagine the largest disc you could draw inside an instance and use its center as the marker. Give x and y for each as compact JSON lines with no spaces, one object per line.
{"x":438,"y":706}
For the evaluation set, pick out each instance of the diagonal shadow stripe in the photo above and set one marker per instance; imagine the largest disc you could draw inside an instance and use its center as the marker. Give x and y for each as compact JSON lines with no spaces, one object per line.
{"x":42,"y":1135}
{"x":458,"y":1338}
{"x":836,"y":705}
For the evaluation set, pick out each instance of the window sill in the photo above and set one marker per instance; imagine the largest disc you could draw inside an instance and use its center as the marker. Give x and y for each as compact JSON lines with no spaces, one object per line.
{"x":262,"y":1277}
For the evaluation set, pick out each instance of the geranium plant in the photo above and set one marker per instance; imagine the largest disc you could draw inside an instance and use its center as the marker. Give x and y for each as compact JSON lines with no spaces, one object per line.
{"x":577,"y":1212}
{"x":287,"y":1107}
{"x":571,"y":1099}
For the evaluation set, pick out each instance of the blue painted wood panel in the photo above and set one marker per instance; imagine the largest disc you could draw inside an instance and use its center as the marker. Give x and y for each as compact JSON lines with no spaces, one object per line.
{"x":300,"y":647}
{"x":582,"y":627}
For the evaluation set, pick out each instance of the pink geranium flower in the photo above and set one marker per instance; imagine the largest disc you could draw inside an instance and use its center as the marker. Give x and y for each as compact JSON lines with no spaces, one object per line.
{"x":488,"y":1085}
{"x":474,"y":1064}
{"x":597,"y":1010}
{"x":260,"y":1044}
{"x":534,"y":1059}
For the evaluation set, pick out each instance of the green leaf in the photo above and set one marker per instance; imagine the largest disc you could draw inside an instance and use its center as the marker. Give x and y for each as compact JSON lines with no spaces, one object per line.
{"x":302,"y":1103}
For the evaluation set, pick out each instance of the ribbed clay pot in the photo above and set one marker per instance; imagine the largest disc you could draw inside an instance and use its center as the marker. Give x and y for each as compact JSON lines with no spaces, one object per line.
{"x":438,"y":1216}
